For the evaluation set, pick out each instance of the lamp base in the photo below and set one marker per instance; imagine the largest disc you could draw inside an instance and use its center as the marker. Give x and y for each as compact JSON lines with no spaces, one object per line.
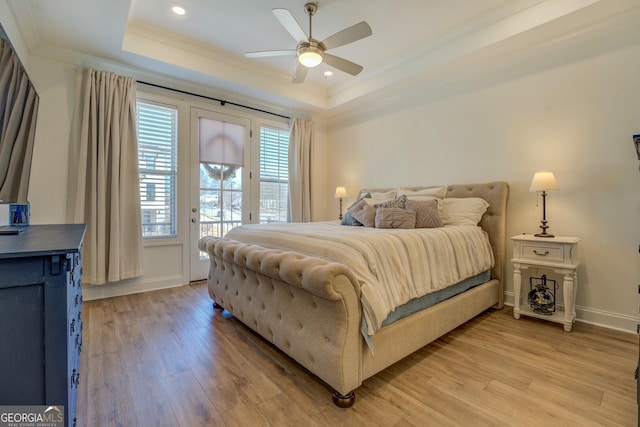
{"x":544,"y":235}
{"x":543,"y":223}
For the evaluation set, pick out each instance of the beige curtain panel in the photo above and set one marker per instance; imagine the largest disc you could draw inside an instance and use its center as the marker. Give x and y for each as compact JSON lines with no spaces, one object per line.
{"x":18,"y":113}
{"x":300,"y":144}
{"x":104,"y":189}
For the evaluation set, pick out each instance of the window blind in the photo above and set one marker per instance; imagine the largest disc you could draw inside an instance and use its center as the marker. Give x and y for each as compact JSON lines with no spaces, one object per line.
{"x":274,"y":175}
{"x":157,"y":127}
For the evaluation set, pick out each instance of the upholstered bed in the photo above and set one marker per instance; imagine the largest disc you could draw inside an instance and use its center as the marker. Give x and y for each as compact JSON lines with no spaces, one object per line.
{"x":311,"y":307}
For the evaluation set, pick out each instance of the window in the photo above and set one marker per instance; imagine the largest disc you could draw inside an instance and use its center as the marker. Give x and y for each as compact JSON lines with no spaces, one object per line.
{"x":221,"y":155}
{"x":157,"y":153}
{"x":274,"y":175}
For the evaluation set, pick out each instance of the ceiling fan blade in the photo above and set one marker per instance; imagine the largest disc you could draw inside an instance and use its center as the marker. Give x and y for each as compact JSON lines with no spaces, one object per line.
{"x":342,"y":64}
{"x":290,"y":24}
{"x":348,"y":35}
{"x":301,"y":73}
{"x":266,"y":53}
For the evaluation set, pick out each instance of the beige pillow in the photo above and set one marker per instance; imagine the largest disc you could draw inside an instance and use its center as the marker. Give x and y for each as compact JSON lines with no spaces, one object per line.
{"x":395,"y":218}
{"x":363,"y":212}
{"x":427,"y":213}
{"x":465,"y":211}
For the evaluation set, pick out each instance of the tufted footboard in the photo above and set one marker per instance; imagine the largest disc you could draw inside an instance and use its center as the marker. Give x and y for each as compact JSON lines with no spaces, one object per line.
{"x":306,"y":306}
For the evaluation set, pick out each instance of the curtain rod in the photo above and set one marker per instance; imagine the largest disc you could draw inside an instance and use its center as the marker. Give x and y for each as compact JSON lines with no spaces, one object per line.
{"x":221,"y":101}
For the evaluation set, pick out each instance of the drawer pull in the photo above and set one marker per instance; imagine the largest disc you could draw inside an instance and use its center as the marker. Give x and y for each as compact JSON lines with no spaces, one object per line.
{"x":540,"y":253}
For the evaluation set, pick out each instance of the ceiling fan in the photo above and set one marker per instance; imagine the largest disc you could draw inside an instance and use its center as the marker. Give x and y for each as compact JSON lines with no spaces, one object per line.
{"x":311,"y":52}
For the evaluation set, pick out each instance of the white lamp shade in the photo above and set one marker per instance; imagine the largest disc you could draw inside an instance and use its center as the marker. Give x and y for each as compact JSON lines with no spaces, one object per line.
{"x":543,"y":181}
{"x":341,"y":193}
{"x":310,"y":56}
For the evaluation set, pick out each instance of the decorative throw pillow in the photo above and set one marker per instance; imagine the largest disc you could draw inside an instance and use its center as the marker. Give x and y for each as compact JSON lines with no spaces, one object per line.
{"x":427,"y":213}
{"x":395,"y":218}
{"x":363,"y":212}
{"x":464,"y":211}
{"x":398,"y":202}
{"x":348,"y":219}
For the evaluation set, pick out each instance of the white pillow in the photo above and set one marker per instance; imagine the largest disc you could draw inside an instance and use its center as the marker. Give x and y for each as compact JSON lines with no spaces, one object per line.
{"x":465,"y":211}
{"x":431,"y":192}
{"x":376,"y":201}
{"x":387,"y":195}
{"x":378,"y":197}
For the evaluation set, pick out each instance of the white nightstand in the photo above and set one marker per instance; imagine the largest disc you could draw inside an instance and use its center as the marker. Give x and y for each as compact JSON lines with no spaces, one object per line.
{"x":555,"y":253}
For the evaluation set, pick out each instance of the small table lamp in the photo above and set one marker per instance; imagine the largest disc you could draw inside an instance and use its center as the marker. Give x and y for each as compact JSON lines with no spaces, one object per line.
{"x":544,"y":181}
{"x":341,"y":193}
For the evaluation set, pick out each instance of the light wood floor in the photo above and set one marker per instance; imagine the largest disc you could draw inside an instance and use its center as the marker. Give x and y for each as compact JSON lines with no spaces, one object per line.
{"x":166,"y":358}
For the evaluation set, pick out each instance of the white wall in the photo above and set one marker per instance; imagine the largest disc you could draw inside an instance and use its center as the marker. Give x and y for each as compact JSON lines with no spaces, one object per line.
{"x":56,"y":86}
{"x":576,"y":120}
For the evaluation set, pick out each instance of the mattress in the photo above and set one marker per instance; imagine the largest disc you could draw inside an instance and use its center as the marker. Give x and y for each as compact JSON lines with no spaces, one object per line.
{"x":429,"y":300}
{"x":393,"y":266}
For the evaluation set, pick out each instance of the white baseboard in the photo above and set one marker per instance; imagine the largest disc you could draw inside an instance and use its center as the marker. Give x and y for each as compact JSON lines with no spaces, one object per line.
{"x":592,"y":316}
{"x":130,"y":287}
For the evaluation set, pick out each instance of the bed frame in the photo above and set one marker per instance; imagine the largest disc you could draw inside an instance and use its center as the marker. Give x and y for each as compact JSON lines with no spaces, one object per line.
{"x":310,"y":308}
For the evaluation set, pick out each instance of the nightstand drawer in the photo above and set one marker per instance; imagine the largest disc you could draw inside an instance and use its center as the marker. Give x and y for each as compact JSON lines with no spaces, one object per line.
{"x":542,"y":252}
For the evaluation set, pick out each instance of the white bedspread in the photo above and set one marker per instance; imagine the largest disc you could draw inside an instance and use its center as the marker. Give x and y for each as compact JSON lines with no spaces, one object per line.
{"x":393,"y":266}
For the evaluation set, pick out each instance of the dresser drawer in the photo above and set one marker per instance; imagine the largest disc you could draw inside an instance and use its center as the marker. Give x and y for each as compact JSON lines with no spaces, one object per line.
{"x":21,"y":272}
{"x":545,"y":252}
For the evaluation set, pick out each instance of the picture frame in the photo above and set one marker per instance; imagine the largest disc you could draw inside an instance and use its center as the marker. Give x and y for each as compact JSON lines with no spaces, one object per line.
{"x":636,"y":144}
{"x":19,"y":214}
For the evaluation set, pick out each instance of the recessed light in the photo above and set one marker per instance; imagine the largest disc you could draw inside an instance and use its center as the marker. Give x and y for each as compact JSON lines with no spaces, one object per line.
{"x":328,"y":73}
{"x":179,"y":9}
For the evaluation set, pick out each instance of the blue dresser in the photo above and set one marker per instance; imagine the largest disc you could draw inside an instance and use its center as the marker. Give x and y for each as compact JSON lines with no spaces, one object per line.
{"x":41,"y":316}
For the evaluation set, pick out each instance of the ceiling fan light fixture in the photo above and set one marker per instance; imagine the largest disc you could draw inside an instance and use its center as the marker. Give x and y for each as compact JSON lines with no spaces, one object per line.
{"x":311,"y":52}
{"x":310,"y":56}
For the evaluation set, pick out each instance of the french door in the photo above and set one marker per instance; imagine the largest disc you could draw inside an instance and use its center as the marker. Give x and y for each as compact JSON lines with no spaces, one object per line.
{"x":220,"y":188}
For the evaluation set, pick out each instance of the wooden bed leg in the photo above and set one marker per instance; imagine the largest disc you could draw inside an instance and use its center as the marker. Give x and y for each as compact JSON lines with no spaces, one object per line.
{"x":344,"y":401}
{"x":217,"y":306}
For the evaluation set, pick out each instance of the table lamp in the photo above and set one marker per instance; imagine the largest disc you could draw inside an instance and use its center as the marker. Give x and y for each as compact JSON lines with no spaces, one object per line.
{"x":543,"y":182}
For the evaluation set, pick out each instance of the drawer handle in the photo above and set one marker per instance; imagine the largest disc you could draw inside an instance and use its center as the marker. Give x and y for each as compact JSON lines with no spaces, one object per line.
{"x":541,"y":254}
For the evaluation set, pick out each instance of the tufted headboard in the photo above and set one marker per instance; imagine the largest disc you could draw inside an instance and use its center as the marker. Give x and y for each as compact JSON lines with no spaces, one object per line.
{"x":493,"y":221}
